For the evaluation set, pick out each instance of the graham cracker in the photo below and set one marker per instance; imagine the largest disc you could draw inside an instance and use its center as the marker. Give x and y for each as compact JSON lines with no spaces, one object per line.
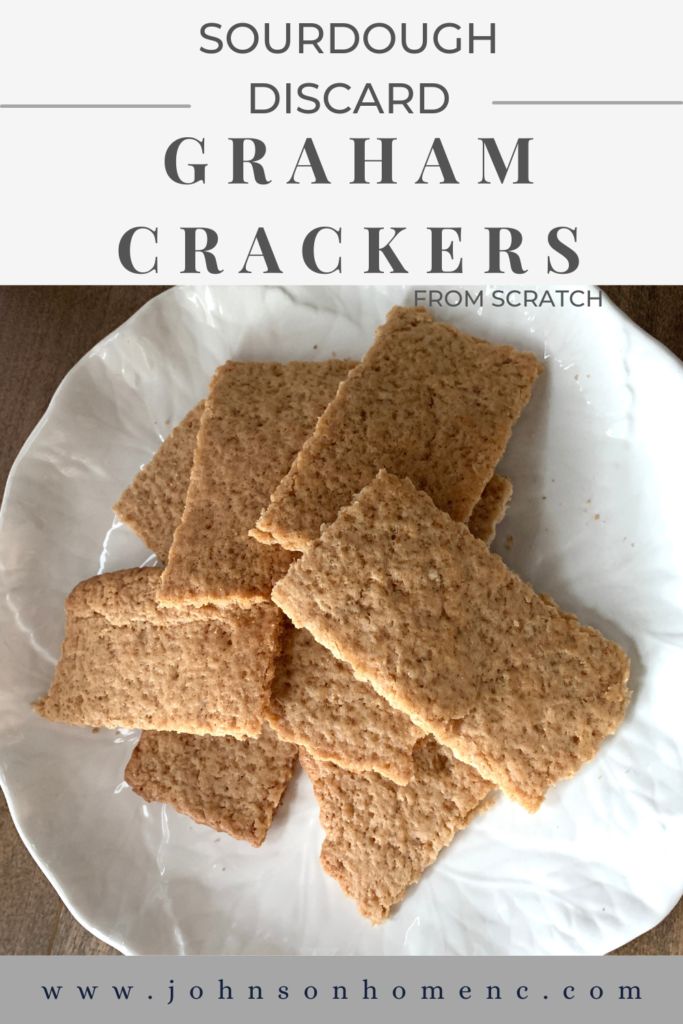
{"x":256,"y":418}
{"x":427,"y":402}
{"x":490,"y":509}
{"x":126,"y":662}
{"x":449,"y":635}
{"x":152,"y":506}
{"x":231,"y":785}
{"x":380,"y":837}
{"x":527,"y":734}
{"x":317,"y":703}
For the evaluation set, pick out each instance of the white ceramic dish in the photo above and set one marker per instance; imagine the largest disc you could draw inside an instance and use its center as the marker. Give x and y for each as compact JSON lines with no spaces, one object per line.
{"x":595,"y":522}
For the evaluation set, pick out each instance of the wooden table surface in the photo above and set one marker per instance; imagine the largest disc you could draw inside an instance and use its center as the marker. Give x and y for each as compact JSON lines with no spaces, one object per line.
{"x":43,"y":332}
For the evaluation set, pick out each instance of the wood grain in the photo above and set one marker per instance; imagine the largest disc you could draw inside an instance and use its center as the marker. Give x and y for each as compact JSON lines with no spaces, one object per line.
{"x":43,"y":332}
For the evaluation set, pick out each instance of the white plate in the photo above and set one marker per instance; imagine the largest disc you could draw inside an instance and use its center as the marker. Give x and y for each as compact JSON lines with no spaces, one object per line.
{"x":595,"y":521}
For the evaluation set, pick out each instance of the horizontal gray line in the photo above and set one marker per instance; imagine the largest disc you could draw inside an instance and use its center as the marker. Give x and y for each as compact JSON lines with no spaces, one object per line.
{"x":587,"y":103}
{"x":95,"y":106}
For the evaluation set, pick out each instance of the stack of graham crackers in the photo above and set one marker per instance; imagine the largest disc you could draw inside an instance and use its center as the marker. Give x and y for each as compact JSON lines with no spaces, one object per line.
{"x":328,"y":592}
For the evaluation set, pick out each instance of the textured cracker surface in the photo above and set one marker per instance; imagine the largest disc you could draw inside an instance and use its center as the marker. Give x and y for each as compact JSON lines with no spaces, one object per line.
{"x":490,"y":509}
{"x":448,"y":634}
{"x":426,"y":402}
{"x":530,"y":730}
{"x":255,"y":419}
{"x":232,"y":785}
{"x":128,"y":663}
{"x":380,"y":837}
{"x":153,"y":504}
{"x":317,"y":703}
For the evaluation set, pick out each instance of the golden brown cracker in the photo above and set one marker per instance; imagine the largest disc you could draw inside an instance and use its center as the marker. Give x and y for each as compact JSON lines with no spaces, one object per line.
{"x":449,"y":635}
{"x":380,"y":837}
{"x":153,"y":504}
{"x":256,"y":418}
{"x":318,"y":703}
{"x":427,"y":402}
{"x":232,"y":785}
{"x":126,"y":662}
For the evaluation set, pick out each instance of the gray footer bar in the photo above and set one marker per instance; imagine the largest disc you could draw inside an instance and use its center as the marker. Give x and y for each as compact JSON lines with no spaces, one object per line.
{"x":348,"y":989}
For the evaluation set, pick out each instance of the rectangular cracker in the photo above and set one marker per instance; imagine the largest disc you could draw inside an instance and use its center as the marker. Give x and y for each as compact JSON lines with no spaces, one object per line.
{"x":448,"y":634}
{"x":256,"y":418}
{"x":317,"y":702}
{"x":231,"y":785}
{"x":380,"y":837}
{"x":152,"y":506}
{"x":426,"y":402}
{"x":127,"y":663}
